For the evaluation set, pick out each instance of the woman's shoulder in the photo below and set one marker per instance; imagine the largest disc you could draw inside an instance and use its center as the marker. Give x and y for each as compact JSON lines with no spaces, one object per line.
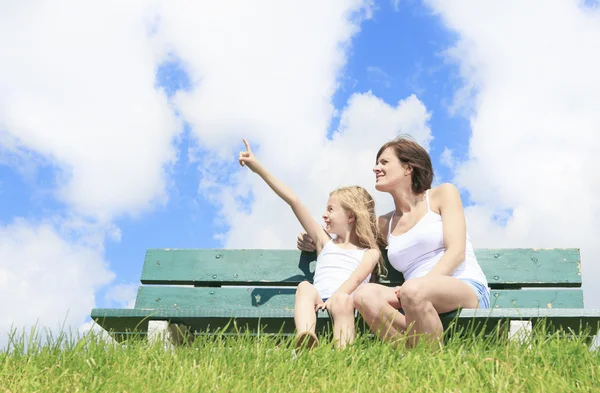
{"x":442,"y":189}
{"x":441,"y":193}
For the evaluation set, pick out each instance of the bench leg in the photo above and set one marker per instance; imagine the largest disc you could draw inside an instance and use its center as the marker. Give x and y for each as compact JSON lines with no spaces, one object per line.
{"x":519,"y":331}
{"x":158,"y":331}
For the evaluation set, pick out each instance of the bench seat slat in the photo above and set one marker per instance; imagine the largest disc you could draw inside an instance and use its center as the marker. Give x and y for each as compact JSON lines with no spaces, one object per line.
{"x":163,"y":297}
{"x":504,"y":268}
{"x":494,"y":313}
{"x":274,"y":321}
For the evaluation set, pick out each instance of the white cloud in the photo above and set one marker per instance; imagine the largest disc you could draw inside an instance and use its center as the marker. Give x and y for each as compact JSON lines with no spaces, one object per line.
{"x":257,"y":69}
{"x":77,"y":87}
{"x":447,"y":158}
{"x":533,"y":92}
{"x":258,"y":72}
{"x":379,"y":76}
{"x":122,"y":295}
{"x":92,"y":329}
{"x":45,"y":279}
{"x":77,"y":93}
{"x":366,"y":123}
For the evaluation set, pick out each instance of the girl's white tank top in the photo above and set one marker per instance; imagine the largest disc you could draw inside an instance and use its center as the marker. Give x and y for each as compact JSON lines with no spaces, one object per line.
{"x":334,"y":267}
{"x":416,"y":252}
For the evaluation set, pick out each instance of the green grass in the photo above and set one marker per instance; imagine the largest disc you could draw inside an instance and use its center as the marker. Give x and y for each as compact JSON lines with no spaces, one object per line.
{"x":549,"y":363}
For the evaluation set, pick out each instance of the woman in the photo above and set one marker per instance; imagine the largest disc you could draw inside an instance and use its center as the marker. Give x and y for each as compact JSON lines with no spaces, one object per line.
{"x":427,"y":243}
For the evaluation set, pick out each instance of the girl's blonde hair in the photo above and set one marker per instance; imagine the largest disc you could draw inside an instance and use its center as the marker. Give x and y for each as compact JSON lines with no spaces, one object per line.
{"x":357,"y":200}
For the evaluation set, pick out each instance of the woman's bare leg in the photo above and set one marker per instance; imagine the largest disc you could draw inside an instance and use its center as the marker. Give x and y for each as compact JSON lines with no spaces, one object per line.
{"x":379,"y":306}
{"x":423,"y":299}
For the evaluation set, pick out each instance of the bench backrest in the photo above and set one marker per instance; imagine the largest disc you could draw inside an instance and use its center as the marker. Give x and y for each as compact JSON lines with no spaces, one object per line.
{"x":517,"y":277}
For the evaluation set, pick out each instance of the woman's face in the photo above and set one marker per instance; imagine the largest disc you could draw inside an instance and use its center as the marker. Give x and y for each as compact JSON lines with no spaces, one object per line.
{"x":389,"y":171}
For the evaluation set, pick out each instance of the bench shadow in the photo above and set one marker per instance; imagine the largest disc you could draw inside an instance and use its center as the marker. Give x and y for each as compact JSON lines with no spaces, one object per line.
{"x":261,"y":296}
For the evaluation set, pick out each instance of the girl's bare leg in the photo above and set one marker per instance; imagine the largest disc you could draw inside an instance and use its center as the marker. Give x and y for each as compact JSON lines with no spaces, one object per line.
{"x":305,"y":317}
{"x":341,"y":308}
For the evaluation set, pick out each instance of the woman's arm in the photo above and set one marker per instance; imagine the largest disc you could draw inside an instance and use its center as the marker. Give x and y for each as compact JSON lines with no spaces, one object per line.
{"x":305,"y":243}
{"x":314,"y":230}
{"x":454,"y":227}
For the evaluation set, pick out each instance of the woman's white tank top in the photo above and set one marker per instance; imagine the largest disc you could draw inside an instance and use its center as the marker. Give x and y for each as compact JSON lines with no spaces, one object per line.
{"x":334,"y":267}
{"x":416,"y":252}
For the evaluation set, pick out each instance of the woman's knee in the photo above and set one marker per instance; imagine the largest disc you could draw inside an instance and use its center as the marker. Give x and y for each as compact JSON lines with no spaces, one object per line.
{"x":364,"y":292}
{"x":341,"y":303}
{"x":367,"y":298}
{"x":413,"y":293}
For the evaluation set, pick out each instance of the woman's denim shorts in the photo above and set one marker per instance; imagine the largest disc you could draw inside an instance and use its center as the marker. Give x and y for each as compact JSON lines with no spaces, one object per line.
{"x":483,"y":293}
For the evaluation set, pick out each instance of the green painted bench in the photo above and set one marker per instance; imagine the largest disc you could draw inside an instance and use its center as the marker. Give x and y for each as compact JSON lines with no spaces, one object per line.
{"x":206,"y":289}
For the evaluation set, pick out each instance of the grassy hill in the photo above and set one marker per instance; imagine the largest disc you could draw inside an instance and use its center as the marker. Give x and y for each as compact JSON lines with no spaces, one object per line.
{"x":548,"y":363}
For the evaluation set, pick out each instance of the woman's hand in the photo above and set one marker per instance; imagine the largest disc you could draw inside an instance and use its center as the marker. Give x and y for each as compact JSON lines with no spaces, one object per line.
{"x":323,"y":306}
{"x":305,"y":243}
{"x":247,"y":158}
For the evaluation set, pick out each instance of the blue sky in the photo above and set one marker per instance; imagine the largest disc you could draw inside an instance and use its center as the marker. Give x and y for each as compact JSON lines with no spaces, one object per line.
{"x":112,"y":148}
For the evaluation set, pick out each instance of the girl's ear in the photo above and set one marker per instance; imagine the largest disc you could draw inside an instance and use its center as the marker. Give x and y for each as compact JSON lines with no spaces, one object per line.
{"x":407,"y":169}
{"x":351,"y":217}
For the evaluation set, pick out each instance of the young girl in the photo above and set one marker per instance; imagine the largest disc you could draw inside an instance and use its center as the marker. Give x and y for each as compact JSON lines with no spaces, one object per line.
{"x":342,"y":264}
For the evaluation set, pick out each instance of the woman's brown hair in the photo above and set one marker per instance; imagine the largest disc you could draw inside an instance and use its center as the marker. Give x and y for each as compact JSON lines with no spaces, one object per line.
{"x":410,"y":153}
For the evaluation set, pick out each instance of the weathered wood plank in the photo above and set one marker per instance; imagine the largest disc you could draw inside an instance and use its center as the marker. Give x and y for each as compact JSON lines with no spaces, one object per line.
{"x":504,"y":268}
{"x":218,"y":267}
{"x":531,"y":267}
{"x":536,"y":298}
{"x":163,"y":297}
{"x":201,"y":298}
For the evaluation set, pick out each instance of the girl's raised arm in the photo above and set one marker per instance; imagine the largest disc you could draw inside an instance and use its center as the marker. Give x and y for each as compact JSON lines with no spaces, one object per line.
{"x":313,"y":229}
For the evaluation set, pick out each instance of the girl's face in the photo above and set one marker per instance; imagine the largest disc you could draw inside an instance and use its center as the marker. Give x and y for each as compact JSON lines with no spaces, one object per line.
{"x":390,"y":172}
{"x":337,"y":220}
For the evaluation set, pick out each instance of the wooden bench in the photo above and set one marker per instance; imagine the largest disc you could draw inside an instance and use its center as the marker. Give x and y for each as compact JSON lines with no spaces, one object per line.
{"x":204,"y":289}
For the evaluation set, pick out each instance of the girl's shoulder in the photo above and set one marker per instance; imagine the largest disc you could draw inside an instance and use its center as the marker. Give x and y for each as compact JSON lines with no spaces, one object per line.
{"x":375,"y":252}
{"x":371,"y":256}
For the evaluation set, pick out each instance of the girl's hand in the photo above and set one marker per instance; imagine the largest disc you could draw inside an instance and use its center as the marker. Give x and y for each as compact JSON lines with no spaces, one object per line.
{"x":247,"y":158}
{"x":397,"y":292}
{"x":323,"y":306}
